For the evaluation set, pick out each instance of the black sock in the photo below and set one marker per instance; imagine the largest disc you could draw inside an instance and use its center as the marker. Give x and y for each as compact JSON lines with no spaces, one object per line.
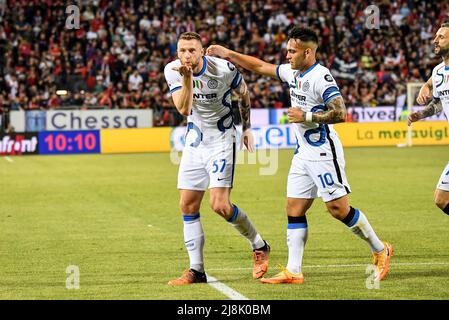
{"x":197,"y":272}
{"x":349,"y":217}
{"x":302,"y":219}
{"x":264,"y":248}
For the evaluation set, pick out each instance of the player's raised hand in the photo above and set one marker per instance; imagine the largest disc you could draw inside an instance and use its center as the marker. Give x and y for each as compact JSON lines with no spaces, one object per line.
{"x":413,"y":117}
{"x":185,"y":71}
{"x":217,"y":51}
{"x":424,"y":95}
{"x":296,"y":115}
{"x":247,"y":139}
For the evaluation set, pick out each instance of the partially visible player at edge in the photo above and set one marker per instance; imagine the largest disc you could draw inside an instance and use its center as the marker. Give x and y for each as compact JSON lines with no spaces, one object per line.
{"x":201,"y":89}
{"x":318,"y":163}
{"x":439,"y":102}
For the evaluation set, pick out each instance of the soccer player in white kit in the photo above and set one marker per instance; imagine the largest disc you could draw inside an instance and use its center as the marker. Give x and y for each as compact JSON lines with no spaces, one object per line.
{"x":201,"y":89}
{"x":318,"y":165}
{"x":440,"y":102}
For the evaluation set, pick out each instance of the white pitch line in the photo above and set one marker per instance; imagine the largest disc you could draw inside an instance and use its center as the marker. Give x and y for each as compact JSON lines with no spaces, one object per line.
{"x":227,"y":291}
{"x":349,"y":265}
{"x":9,"y":159}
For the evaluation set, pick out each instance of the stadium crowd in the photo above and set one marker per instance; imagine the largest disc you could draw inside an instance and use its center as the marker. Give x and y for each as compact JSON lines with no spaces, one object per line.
{"x":115,"y":59}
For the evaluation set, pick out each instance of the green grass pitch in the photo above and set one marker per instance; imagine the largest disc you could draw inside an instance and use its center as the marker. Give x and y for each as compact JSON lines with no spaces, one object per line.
{"x":116,"y":217}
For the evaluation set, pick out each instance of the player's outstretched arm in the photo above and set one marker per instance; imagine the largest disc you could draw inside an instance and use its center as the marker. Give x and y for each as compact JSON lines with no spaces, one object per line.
{"x":245,"y":110}
{"x":434,"y":107}
{"x":425,"y":93}
{"x":183,"y":98}
{"x":247,"y":62}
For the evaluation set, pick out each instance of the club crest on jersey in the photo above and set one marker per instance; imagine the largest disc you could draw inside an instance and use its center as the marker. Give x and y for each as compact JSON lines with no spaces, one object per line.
{"x":212,"y":84}
{"x":306,"y":86}
{"x":198,"y":84}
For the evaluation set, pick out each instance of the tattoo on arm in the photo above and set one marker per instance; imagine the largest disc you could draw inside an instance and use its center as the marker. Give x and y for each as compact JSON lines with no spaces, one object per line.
{"x":245,"y":105}
{"x":336,"y":112}
{"x":434,"y":107}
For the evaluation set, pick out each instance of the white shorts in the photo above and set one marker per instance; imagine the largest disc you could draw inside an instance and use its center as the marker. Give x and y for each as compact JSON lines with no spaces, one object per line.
{"x":443,"y":183}
{"x":208,"y":159}
{"x":313,"y":179}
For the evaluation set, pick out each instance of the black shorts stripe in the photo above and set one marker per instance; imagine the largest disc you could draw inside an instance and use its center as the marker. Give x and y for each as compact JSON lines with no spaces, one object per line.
{"x":233,"y":165}
{"x":334,"y":158}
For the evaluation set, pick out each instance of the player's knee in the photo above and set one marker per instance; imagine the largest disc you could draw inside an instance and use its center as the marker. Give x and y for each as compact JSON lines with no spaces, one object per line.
{"x":337,"y":211}
{"x":441,"y":202}
{"x":188,"y":207}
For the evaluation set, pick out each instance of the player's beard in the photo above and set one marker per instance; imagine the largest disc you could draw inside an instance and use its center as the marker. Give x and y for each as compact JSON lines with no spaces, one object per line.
{"x":443,"y":52}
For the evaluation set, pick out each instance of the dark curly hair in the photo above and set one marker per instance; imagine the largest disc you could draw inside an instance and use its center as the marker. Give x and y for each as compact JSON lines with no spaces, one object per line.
{"x":303,"y":34}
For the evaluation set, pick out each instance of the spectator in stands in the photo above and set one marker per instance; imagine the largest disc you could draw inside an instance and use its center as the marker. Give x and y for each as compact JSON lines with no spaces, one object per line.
{"x":123,"y":46}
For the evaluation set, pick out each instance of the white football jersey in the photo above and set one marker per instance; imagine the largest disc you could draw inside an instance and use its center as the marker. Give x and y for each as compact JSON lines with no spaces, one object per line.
{"x":212,"y":88}
{"x":440,"y":80}
{"x":311,"y":91}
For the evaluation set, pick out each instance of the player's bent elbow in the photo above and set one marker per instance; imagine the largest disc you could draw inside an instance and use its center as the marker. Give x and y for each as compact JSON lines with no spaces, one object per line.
{"x":343,"y":117}
{"x":184,"y":112}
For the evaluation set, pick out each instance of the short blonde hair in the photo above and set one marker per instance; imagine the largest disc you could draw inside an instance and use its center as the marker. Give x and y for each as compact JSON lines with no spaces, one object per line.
{"x":190,"y":36}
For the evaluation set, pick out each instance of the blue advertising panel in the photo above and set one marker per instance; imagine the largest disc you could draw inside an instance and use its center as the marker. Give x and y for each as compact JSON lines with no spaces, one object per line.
{"x":69,"y":142}
{"x":35,"y":120}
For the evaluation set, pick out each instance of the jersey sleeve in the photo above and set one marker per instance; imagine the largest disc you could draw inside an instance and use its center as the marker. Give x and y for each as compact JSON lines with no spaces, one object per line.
{"x":234,"y":76}
{"x":327,"y":88}
{"x":435,"y":93}
{"x":173,"y":78}
{"x":283,"y":72}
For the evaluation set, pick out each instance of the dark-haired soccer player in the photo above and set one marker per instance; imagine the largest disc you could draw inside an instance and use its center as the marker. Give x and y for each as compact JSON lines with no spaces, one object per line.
{"x":318,"y":164}
{"x":201,"y":89}
{"x":440,"y":102}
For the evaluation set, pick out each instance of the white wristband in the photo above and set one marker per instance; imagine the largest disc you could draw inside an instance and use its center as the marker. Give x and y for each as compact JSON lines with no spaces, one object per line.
{"x":309,"y":116}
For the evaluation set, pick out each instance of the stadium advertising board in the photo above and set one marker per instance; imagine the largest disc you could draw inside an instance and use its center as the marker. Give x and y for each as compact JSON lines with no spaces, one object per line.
{"x":17,"y":120}
{"x":68,"y":120}
{"x":351,"y":134}
{"x":260,"y":117}
{"x":360,"y":114}
{"x":135,"y":140}
{"x":265,"y":137}
{"x":392,"y":133}
{"x":69,"y":142}
{"x":98,"y":119}
{"x":19,"y":144}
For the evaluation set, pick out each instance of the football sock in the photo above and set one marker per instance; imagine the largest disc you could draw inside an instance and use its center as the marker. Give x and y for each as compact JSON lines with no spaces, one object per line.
{"x":194,"y":241}
{"x":446,"y":209}
{"x":242,"y":224}
{"x":296,"y":241}
{"x":359,"y":225}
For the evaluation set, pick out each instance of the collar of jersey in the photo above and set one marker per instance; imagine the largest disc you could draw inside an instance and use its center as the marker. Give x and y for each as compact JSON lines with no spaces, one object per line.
{"x":308,"y":70}
{"x":202,"y":69}
{"x":446,"y":68}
